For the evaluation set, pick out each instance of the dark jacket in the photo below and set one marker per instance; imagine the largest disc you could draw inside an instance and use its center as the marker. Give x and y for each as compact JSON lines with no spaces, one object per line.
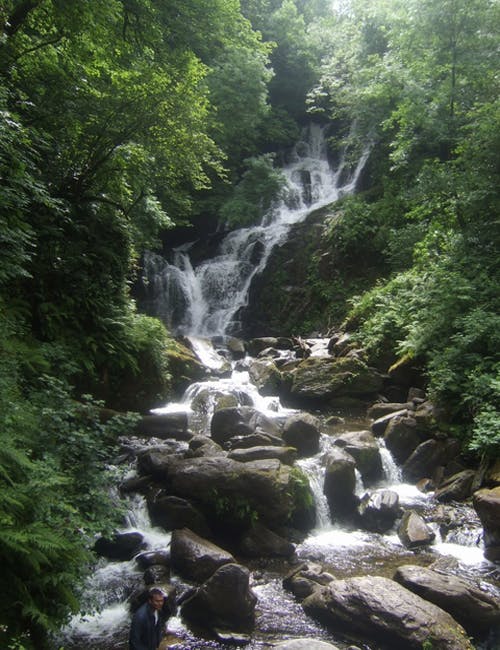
{"x":144,"y":634}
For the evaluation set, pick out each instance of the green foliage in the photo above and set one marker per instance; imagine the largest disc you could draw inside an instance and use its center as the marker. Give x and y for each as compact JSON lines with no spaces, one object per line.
{"x":300,"y":490}
{"x":234,"y":510}
{"x":255,"y":194}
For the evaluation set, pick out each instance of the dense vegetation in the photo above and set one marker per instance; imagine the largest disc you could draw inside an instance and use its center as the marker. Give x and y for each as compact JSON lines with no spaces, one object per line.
{"x":122,"y":118}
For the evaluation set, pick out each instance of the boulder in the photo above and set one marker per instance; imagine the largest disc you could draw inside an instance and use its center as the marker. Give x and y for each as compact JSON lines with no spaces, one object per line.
{"x":381,"y":409}
{"x":236,"y":347}
{"x":474,"y":608}
{"x":305,"y":578}
{"x":457,"y":487}
{"x":256,"y":345}
{"x":167,"y":425}
{"x":194,"y":557}
{"x":363,"y":447}
{"x":259,"y":541}
{"x":225,"y":601}
{"x":155,"y":461}
{"x":427,"y":457}
{"x":319,"y":379}
{"x":340,"y":484}
{"x":170,"y":512}
{"x":153,"y":558}
{"x":401,"y":437}
{"x":379,"y":426}
{"x":375,"y":609}
{"x":492,"y":475}
{"x":487,"y":505}
{"x":122,"y":546}
{"x":156,"y":574}
{"x":231,"y":493}
{"x":302,"y":432}
{"x":203,"y":446}
{"x":240,"y":421}
{"x":286,"y":455}
{"x":413,"y":531}
{"x":257,"y":439}
{"x":266,"y":376}
{"x":379,"y":510}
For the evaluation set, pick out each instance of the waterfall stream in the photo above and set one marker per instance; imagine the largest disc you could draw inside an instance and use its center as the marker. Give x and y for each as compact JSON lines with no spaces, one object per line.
{"x":204,"y":299}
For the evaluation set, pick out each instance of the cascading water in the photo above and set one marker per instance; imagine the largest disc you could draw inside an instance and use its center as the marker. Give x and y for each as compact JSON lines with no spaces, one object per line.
{"x":204,"y":300}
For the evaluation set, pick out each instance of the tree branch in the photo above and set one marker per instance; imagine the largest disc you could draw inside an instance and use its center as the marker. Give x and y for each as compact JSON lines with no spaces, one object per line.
{"x":19,"y":16}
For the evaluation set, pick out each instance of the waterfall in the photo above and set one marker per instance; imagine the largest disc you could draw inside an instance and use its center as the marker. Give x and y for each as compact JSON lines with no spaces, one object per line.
{"x":204,"y":300}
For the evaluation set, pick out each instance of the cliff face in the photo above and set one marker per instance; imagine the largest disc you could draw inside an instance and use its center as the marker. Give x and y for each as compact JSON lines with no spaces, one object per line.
{"x":306,"y":283}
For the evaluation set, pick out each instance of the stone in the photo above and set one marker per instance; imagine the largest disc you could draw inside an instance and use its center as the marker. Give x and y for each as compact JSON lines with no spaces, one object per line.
{"x":457,"y":487}
{"x":381,"y":409}
{"x":362,"y":446}
{"x":401,"y":437}
{"x":373,"y":608}
{"x":224,"y":602}
{"x":379,"y":510}
{"x":305,"y":644}
{"x":286,"y":455}
{"x":413,"y":531}
{"x":122,"y":546}
{"x":167,"y":425}
{"x":259,"y":541}
{"x":474,"y":608}
{"x":427,"y":457}
{"x":266,"y":376}
{"x":487,"y":505}
{"x":379,"y":426}
{"x":194,"y":557}
{"x":340,"y":484}
{"x":301,"y":431}
{"x":172,"y":512}
{"x":239,"y":421}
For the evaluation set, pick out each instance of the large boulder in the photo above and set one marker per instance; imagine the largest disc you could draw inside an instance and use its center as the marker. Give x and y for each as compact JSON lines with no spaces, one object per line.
{"x":166,"y":425}
{"x":472,"y":607}
{"x":266,"y":376}
{"x":231,"y":493}
{"x":487,"y":505}
{"x":194,"y":557}
{"x":380,"y":424}
{"x":172,"y":512}
{"x":303,"y":579}
{"x":286,"y":455}
{"x":301,"y":431}
{"x":259,"y":541}
{"x":224,"y":602}
{"x":401,"y":437}
{"x":378,"y":609}
{"x":122,"y":546}
{"x":457,"y":487}
{"x":340,"y":484}
{"x":240,"y":421}
{"x":321,"y":379}
{"x":363,"y":447}
{"x":427,"y":457}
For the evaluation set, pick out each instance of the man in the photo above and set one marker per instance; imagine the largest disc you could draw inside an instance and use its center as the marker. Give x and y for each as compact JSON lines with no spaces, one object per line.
{"x":147,"y":623}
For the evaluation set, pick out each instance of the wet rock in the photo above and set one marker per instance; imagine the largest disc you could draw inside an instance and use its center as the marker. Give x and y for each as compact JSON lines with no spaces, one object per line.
{"x":492,"y":474}
{"x":382,"y":409}
{"x":254,"y":346}
{"x":240,"y":421}
{"x":379,"y":510}
{"x":340,"y":344}
{"x":155,"y":574}
{"x":231,"y":493}
{"x":456,"y":488}
{"x":378,"y":609}
{"x":487,"y":505}
{"x":155,"y":461}
{"x":474,"y":608}
{"x":150,"y":558}
{"x":362,"y":446}
{"x":427,"y":457}
{"x":204,"y":446}
{"x":259,"y":541}
{"x":236,"y":347}
{"x":167,"y":425}
{"x":340,"y":484}
{"x":170,"y":512}
{"x":413,"y":531}
{"x":380,"y":425}
{"x":319,"y":379}
{"x":286,"y":455}
{"x":305,"y":578}
{"x":194,"y":557}
{"x":257,"y":439}
{"x":266,"y":376}
{"x":305,"y":644}
{"x":401,"y":437}
{"x":122,"y":546}
{"x":302,"y":432}
{"x":225,"y":601}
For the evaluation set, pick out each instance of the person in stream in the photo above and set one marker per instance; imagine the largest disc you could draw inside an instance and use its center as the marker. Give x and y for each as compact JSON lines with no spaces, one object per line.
{"x":147,"y":626}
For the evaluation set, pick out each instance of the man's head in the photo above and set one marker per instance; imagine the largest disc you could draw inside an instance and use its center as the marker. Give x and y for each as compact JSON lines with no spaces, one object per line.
{"x":156,"y":598}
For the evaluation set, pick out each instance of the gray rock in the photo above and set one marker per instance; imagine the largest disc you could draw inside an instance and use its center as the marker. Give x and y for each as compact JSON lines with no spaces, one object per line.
{"x":305,"y":644}
{"x":302,"y":432}
{"x":457,"y":487}
{"x":286,"y":455}
{"x":413,"y":531}
{"x":471,"y":606}
{"x":194,"y":557}
{"x":382,"y":409}
{"x":167,"y":425}
{"x":170,"y":512}
{"x":259,"y":541}
{"x":380,"y":425}
{"x":427,"y":457}
{"x":340,"y":484}
{"x":379,"y":510}
{"x":122,"y":546}
{"x":224,"y":602}
{"x":401,"y":437}
{"x":487,"y":505}
{"x":266,"y":376}
{"x":378,"y":609}
{"x":239,"y":421}
{"x":362,"y":446}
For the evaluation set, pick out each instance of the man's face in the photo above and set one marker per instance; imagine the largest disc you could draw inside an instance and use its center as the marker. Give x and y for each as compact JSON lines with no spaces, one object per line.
{"x":156,"y":601}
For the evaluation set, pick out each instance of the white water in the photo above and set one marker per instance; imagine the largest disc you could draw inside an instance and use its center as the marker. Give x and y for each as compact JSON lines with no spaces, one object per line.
{"x":204,"y":300}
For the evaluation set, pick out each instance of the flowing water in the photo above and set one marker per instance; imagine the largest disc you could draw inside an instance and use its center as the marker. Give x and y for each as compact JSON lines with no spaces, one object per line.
{"x":203,"y":301}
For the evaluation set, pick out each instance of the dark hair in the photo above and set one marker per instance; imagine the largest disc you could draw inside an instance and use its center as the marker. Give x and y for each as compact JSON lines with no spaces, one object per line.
{"x":156,"y":591}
